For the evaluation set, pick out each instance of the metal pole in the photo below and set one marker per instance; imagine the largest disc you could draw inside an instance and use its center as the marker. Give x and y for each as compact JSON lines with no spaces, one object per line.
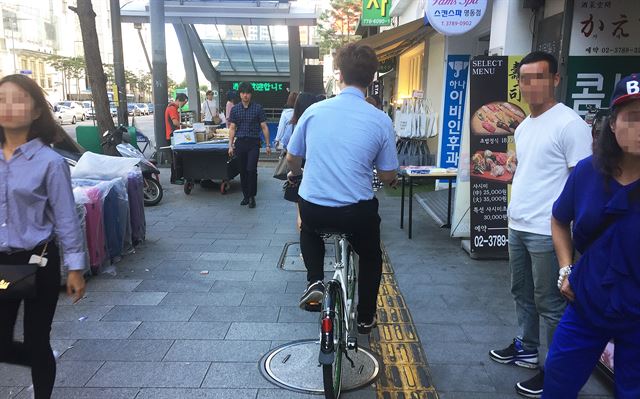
{"x":118,"y":63}
{"x":159,"y":75}
{"x":13,"y":46}
{"x":138,"y":27}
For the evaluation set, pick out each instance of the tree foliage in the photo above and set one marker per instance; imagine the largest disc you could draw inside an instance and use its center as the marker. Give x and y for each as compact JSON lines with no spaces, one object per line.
{"x":337,"y":25}
{"x":71,"y":68}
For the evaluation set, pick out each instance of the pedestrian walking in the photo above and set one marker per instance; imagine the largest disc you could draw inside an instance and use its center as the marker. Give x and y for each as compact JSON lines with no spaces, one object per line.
{"x":173,"y":123}
{"x":38,"y":213}
{"x":549,"y":142}
{"x":210,"y":114}
{"x":247,"y":119}
{"x":232,"y":99}
{"x":341,"y":140}
{"x":602,"y":200}
{"x":285,"y":117}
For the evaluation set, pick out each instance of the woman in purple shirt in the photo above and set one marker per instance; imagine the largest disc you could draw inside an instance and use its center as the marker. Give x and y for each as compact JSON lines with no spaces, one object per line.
{"x":37,"y":211}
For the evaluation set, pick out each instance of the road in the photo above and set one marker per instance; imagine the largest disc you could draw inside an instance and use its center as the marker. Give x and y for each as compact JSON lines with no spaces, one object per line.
{"x":144,"y":123}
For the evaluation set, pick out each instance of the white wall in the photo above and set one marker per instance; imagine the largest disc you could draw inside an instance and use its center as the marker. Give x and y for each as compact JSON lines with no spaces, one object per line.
{"x":553,"y":7}
{"x":510,"y":28}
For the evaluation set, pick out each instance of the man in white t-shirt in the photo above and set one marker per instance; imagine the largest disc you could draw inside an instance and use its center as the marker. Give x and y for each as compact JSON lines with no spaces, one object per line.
{"x":549,"y":143}
{"x":210,"y":110}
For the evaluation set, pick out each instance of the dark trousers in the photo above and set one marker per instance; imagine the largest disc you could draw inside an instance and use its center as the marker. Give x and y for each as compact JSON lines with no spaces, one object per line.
{"x":176,"y":167}
{"x":362,"y":223}
{"x":248,"y":150}
{"x":35,"y":351}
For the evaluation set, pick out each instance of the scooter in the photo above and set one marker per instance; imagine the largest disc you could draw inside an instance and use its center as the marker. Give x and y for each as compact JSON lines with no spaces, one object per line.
{"x":116,"y":143}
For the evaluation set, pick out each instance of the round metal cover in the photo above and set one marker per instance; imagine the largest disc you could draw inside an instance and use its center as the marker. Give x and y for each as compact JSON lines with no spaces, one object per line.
{"x":295,"y":366}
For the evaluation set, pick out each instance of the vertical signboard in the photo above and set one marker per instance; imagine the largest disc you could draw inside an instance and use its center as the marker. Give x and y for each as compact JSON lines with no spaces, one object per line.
{"x":455,"y":91}
{"x":376,"y":13}
{"x":605,"y":46}
{"x":496,"y":110}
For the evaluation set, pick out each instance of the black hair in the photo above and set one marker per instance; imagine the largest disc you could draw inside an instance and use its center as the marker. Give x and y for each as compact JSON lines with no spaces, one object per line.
{"x":232,"y":96}
{"x":537,"y":56}
{"x":358,"y":64}
{"x":607,"y":153}
{"x":304,"y":101}
{"x":208,"y":92}
{"x":321,"y":97}
{"x":181,"y":97}
{"x":44,"y":126}
{"x":291,"y":99}
{"x":245,"y":87}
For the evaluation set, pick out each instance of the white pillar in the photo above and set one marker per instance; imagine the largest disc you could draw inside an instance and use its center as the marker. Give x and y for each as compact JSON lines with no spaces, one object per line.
{"x":510,"y":28}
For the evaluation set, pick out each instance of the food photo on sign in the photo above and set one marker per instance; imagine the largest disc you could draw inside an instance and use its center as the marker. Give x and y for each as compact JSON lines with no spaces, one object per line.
{"x":498,"y":117}
{"x":494,"y":165}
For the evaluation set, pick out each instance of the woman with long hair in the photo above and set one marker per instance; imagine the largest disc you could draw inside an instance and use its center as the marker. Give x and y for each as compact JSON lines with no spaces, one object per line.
{"x":602,"y":200}
{"x":285,"y":117}
{"x":37,"y":213}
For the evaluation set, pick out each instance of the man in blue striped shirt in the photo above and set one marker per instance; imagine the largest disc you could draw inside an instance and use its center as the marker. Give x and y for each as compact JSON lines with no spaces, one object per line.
{"x":246,"y":120}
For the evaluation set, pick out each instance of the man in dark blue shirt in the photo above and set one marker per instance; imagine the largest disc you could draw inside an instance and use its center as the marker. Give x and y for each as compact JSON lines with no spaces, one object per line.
{"x":245,"y":122}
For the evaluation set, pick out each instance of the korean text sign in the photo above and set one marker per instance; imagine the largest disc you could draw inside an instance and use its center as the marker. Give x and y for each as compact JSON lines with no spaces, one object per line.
{"x":454,"y":17}
{"x":376,"y":13}
{"x":453,"y":112}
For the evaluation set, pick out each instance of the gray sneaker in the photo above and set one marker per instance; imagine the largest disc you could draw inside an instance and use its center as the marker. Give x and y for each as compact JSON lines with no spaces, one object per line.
{"x":312,"y":295}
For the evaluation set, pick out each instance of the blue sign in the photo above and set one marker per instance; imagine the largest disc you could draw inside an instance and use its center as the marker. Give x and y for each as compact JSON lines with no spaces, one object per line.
{"x":26,"y":72}
{"x":453,"y":113}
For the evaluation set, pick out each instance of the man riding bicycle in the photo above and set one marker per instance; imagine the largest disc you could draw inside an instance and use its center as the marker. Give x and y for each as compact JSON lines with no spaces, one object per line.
{"x":341,"y":140}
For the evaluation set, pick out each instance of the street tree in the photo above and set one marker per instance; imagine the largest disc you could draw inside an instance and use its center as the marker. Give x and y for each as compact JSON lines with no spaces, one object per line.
{"x":337,"y":25}
{"x":93,"y":60}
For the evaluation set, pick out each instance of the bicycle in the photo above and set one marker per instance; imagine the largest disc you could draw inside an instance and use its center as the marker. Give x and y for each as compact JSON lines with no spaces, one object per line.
{"x":338,"y":328}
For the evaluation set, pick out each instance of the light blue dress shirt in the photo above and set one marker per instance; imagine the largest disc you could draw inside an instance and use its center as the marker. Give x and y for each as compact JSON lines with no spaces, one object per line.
{"x":285,"y":118}
{"x":37,"y":204}
{"x":342,"y":139}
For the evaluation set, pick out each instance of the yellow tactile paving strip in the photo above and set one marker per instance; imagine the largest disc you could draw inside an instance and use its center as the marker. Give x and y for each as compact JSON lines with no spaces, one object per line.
{"x":405,"y":373}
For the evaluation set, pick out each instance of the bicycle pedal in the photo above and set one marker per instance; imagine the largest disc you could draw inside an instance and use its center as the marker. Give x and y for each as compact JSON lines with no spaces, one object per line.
{"x":352,"y":344}
{"x":313,"y":307}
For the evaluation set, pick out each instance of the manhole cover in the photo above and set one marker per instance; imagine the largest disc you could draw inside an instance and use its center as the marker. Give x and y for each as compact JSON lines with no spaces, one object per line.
{"x":291,"y":260}
{"x":295,"y":366}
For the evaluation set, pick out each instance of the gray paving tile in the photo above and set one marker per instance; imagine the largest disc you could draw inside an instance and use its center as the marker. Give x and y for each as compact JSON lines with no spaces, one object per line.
{"x":230,"y":256}
{"x":119,"y":298}
{"x":434,"y":334}
{"x":245,"y":265}
{"x":495,"y":334}
{"x":204,"y":299}
{"x":253,"y":242}
{"x":165,"y":393}
{"x":149,"y":313}
{"x":272,"y":331}
{"x":76,"y":312}
{"x":10,"y":392}
{"x":111,"y":285}
{"x":271,"y":299}
{"x":221,"y":275}
{"x":149,"y":374}
{"x":134,"y":350}
{"x":471,"y":378}
{"x":279,"y":275}
{"x":293,"y":314}
{"x":236,"y":313}
{"x":235,"y":375}
{"x":92,"y":329}
{"x":217,"y":351}
{"x":175,"y":286}
{"x":75,"y":374}
{"x":14,"y":376}
{"x":258,"y":287}
{"x":94,"y":393}
{"x":457,"y":352}
{"x":181,"y":330}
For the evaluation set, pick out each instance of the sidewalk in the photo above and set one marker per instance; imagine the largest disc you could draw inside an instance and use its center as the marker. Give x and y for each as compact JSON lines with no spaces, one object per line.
{"x":191,"y":313}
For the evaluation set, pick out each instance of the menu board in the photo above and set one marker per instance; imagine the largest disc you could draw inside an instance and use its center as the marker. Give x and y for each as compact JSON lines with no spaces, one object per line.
{"x":496,"y":111}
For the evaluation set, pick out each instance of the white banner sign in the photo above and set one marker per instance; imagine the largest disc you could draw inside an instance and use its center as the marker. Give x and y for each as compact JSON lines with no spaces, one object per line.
{"x":454,"y":17}
{"x":605,"y":28}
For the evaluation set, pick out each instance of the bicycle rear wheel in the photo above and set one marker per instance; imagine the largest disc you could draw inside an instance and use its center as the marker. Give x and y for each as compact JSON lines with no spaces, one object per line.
{"x":333,"y":328}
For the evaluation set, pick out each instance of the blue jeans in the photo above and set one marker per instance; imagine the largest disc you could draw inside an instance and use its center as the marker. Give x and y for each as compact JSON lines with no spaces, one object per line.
{"x":575,"y":351}
{"x":534,"y":277}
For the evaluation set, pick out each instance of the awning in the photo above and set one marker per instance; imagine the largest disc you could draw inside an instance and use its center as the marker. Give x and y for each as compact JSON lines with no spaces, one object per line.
{"x":393,"y":42}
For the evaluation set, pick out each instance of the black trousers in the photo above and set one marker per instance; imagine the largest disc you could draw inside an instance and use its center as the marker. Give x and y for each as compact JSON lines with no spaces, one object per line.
{"x":362,"y":222}
{"x":35,"y":351}
{"x":248,"y":150}
{"x":176,"y":167}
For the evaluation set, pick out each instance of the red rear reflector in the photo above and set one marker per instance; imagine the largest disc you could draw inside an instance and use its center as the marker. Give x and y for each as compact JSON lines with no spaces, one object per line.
{"x":327,"y":325}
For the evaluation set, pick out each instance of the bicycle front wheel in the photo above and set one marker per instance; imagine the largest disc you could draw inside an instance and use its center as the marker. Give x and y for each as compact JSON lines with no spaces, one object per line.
{"x":332,"y":373}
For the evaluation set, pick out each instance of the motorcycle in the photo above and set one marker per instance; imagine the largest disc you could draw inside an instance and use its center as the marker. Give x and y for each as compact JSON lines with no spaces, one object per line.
{"x":116,"y":143}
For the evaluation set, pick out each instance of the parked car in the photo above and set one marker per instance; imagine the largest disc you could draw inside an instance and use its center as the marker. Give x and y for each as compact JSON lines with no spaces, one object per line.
{"x":151,"y":107}
{"x":144,"y":109}
{"x":113,"y":110}
{"x":64,"y":114}
{"x":89,"y":110}
{"x":76,"y":107}
{"x":133,"y":110}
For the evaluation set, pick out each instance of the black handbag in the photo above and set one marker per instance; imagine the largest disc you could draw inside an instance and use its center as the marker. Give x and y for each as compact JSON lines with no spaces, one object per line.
{"x":282,"y":168}
{"x":291,"y":188}
{"x":233,"y":167}
{"x":19,"y":281}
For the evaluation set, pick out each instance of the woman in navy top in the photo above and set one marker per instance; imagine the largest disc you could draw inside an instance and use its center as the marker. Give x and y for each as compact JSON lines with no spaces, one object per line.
{"x":37,"y":213}
{"x":602,"y":199}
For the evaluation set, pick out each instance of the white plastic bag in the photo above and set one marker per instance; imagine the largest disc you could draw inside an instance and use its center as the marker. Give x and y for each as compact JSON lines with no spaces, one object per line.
{"x":103,"y":167}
